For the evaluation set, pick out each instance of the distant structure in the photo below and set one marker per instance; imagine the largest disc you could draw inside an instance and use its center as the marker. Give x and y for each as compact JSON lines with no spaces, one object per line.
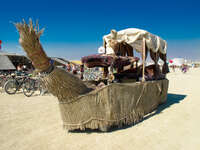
{"x":177,"y":62}
{"x":6,"y":64}
{"x":17,"y":59}
{"x":13,"y":60}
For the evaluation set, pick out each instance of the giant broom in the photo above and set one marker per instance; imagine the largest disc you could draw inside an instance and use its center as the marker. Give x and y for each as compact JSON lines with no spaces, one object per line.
{"x":59,"y":82}
{"x":81,"y":108}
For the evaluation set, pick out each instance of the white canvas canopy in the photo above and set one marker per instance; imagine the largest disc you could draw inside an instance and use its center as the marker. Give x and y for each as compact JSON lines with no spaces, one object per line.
{"x":134,"y":37}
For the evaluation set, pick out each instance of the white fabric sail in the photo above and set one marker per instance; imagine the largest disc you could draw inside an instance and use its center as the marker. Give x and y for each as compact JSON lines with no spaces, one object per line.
{"x":134,"y":37}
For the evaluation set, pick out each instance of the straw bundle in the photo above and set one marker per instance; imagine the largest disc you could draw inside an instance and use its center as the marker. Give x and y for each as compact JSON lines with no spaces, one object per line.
{"x":63,"y":85}
{"x":30,"y":41}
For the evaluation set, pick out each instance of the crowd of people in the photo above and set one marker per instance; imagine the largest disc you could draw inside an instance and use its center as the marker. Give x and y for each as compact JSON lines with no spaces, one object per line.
{"x":184,"y":68}
{"x":75,"y":69}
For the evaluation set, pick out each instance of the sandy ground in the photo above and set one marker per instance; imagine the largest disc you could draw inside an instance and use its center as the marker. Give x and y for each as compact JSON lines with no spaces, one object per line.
{"x":35,"y":123}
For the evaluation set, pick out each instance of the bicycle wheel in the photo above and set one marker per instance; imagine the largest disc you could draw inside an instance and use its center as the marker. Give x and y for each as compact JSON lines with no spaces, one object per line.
{"x":29,"y":87}
{"x":10,"y":87}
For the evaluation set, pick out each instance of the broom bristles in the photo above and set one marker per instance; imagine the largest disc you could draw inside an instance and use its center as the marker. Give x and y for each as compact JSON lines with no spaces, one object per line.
{"x":30,"y":41}
{"x":60,"y":83}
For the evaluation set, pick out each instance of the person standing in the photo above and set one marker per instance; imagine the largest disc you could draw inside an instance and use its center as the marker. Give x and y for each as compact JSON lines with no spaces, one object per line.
{"x":74,"y":69}
{"x":68,"y":67}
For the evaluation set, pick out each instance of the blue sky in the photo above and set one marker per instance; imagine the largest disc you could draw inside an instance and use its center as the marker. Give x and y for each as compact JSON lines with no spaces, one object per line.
{"x":75,"y":28}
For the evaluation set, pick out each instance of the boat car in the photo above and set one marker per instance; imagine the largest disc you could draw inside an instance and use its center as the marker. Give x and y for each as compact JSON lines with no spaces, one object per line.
{"x":129,"y":92}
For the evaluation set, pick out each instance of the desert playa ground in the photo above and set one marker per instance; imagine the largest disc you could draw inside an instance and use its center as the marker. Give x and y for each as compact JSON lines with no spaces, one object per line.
{"x":35,"y":123}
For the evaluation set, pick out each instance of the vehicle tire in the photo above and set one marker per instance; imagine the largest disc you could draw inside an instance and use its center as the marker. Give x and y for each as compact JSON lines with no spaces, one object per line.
{"x":10,"y":87}
{"x":29,"y":87}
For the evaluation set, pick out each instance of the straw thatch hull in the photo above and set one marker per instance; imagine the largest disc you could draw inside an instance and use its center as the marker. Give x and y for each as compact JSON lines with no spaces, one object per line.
{"x":114,"y":105}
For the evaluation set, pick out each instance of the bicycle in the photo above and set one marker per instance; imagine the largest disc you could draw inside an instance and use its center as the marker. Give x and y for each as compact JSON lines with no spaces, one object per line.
{"x":32,"y":85}
{"x":4,"y":77}
{"x":2,"y":80}
{"x":16,"y":83}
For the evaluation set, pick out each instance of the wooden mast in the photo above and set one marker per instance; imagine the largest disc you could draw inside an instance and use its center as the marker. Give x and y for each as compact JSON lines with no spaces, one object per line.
{"x":143,"y":59}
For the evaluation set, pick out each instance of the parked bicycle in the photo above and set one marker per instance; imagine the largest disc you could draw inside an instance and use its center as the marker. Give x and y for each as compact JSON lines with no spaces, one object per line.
{"x":4,"y":77}
{"x":18,"y":82}
{"x":32,"y":85}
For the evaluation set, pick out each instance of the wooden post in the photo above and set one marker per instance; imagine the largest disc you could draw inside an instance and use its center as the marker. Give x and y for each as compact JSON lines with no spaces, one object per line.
{"x":104,"y":44}
{"x":143,"y":59}
{"x":82,"y":71}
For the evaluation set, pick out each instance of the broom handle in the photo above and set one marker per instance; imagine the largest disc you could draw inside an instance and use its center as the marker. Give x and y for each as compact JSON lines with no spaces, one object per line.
{"x":143,"y":59}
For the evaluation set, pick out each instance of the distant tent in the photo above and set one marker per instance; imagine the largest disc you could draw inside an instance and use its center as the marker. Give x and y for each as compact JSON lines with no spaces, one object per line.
{"x":17,"y":59}
{"x":59,"y":61}
{"x":5,"y":63}
{"x":178,"y":61}
{"x":77,"y":62}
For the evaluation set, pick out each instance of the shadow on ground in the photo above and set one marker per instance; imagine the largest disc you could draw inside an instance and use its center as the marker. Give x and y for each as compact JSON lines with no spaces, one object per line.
{"x":171,"y":99}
